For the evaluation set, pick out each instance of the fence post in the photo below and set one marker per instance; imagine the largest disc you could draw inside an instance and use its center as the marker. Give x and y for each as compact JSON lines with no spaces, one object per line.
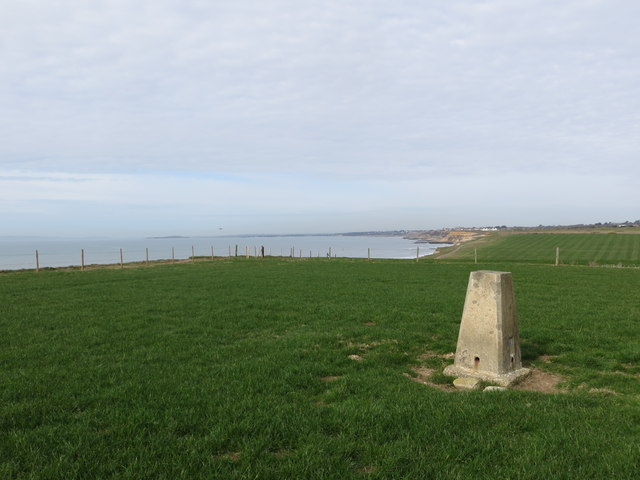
{"x":37,"y":261}
{"x":557,"y":256}
{"x":417,"y":253}
{"x":146,"y":255}
{"x":82,"y":259}
{"x":236,"y":249}
{"x":173,"y":255}
{"x":246,"y":251}
{"x":121,"y":259}
{"x":193,"y":254}
{"x":369,"y":254}
{"x":211,"y":252}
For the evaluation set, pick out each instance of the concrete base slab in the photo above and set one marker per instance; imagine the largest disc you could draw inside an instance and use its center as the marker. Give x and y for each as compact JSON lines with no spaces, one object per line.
{"x":466,"y":383}
{"x":493,"y":388}
{"x":504,"y":380}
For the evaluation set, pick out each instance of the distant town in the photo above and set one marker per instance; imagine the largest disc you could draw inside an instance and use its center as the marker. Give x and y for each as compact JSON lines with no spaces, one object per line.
{"x":578,"y":226}
{"x":461,"y":234}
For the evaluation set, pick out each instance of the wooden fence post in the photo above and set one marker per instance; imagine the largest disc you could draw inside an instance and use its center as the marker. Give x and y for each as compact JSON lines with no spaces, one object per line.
{"x":121,"y":259}
{"x":211,"y":252}
{"x":557,"y":256}
{"x":82,"y":259}
{"x":37,"y":261}
{"x":146,"y":255}
{"x":173,"y":255}
{"x":369,"y":254}
{"x":417,"y":253}
{"x":193,"y":254}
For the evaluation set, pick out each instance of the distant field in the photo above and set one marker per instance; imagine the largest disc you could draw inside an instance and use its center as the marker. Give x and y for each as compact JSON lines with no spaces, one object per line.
{"x":575,"y":248}
{"x":237,"y":369}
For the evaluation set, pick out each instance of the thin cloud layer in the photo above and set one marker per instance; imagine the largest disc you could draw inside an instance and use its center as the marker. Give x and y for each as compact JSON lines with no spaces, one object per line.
{"x":332,"y":96}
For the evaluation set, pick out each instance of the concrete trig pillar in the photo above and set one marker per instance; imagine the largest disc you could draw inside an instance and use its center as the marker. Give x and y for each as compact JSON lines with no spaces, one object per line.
{"x":489,"y":343}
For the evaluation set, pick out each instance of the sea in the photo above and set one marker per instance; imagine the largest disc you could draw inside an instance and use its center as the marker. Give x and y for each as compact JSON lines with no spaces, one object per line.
{"x":18,"y":253}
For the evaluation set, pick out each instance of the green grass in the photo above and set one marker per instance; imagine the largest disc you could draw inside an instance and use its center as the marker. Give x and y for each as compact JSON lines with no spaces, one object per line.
{"x":221,"y":370}
{"x":575,"y":249}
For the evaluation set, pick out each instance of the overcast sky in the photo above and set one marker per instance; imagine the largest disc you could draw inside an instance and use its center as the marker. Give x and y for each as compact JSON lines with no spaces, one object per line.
{"x":160,"y":117}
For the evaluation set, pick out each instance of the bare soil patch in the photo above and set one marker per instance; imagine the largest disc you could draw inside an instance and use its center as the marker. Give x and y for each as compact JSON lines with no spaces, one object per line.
{"x":368,"y":469}
{"x":540,"y":381}
{"x":446,"y":356}
{"x":548,"y":358}
{"x":367,"y":346}
{"x":603,"y":391}
{"x":537,"y":381}
{"x":422,"y":376}
{"x":283,"y":453}
{"x":231,"y":456}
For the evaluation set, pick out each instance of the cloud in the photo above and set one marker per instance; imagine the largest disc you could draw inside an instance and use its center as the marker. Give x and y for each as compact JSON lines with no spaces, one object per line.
{"x":339,"y":95}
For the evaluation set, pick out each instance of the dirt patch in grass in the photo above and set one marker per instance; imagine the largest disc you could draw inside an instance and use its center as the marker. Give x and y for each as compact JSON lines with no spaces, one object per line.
{"x":282,"y":453}
{"x":423,"y":375}
{"x":369,"y":324}
{"x":537,"y":381}
{"x":423,"y":372}
{"x":540,"y":381}
{"x":330,"y":379}
{"x":368,"y":469}
{"x":231,"y":456}
{"x":548,"y":358}
{"x":356,"y":358}
{"x":446,"y":356}
{"x":603,"y":391}
{"x":368,"y":346}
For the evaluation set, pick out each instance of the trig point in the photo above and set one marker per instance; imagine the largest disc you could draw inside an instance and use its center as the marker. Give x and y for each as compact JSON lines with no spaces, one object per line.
{"x":489,"y":344}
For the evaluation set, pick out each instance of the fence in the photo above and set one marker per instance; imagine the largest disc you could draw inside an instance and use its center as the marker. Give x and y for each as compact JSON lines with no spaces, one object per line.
{"x":119,"y":257}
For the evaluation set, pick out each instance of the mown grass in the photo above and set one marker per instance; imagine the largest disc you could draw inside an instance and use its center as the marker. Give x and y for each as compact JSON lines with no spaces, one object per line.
{"x":240,"y":369}
{"x":575,"y":248}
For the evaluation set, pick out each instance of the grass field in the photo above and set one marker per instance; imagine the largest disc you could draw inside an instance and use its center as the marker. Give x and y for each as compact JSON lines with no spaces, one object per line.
{"x":575,"y":248}
{"x":240,"y":368}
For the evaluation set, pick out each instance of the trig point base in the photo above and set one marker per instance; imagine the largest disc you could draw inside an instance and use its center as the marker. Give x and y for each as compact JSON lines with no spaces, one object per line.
{"x":489,"y":343}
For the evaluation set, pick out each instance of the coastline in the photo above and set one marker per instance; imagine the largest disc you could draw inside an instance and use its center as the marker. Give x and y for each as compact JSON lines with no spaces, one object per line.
{"x":30,"y":254}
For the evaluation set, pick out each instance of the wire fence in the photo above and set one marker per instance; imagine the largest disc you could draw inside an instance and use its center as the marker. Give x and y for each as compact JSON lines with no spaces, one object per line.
{"x":62,"y":255}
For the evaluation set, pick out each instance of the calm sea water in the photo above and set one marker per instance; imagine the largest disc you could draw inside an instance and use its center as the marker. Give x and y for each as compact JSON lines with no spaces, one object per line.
{"x":19,"y":253}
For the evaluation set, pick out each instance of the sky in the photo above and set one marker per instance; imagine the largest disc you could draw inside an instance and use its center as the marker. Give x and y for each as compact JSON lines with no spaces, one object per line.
{"x":209,"y":117}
